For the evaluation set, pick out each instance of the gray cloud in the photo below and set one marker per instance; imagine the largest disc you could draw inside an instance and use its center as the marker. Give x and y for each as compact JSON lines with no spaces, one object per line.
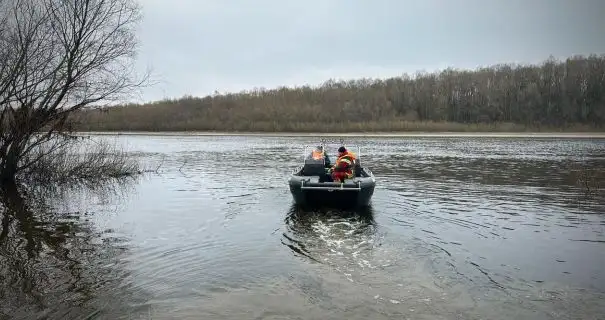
{"x":196,"y":47}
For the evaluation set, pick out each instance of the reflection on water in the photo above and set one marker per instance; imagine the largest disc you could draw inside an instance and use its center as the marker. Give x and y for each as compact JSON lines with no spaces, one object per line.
{"x":458,"y":228}
{"x":55,"y":264}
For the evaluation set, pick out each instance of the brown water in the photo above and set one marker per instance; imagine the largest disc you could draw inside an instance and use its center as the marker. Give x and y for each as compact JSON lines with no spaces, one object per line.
{"x":459,"y":228}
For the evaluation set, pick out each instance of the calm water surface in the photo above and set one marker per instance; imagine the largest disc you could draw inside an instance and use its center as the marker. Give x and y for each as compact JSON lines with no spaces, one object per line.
{"x":459,"y":228}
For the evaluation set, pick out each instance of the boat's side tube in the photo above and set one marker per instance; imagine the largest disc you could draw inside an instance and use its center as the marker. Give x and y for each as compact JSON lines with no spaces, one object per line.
{"x":295,"y":183}
{"x":367,"y":185}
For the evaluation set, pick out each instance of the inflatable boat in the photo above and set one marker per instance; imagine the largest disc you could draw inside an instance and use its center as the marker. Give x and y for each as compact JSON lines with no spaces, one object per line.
{"x":311,"y":184}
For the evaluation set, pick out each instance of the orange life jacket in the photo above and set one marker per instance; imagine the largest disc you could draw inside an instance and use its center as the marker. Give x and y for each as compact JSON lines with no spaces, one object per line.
{"x":345,"y":163}
{"x":317,"y":155}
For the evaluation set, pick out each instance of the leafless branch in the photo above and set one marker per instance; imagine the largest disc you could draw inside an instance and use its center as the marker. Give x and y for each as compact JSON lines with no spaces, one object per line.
{"x":57,"y":57}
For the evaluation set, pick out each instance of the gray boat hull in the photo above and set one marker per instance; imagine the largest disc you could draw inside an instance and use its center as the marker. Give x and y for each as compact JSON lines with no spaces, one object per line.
{"x":355,"y":192}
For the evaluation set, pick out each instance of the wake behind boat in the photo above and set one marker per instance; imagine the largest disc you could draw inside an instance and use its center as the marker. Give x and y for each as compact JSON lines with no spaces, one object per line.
{"x":310,"y":183}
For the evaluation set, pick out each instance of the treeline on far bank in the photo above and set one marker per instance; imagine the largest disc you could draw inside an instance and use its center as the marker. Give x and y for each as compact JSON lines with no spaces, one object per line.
{"x":556,"y":95}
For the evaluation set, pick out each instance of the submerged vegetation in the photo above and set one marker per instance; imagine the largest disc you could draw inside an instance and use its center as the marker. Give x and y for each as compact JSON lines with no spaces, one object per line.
{"x":554,"y":96}
{"x":80,"y":161}
{"x":590,"y":179}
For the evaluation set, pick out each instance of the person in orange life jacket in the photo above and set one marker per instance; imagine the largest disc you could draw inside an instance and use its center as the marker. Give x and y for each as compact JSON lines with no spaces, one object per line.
{"x":318,"y":154}
{"x":343,"y":168}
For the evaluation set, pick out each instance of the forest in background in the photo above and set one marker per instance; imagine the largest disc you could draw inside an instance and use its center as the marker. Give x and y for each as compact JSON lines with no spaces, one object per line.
{"x":556,"y":95}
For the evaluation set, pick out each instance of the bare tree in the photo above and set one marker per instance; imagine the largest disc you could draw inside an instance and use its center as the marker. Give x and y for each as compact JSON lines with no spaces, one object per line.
{"x":56,"y":57}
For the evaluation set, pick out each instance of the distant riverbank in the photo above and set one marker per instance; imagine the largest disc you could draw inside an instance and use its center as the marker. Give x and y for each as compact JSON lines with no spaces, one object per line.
{"x":360,"y":134}
{"x":556,"y":96}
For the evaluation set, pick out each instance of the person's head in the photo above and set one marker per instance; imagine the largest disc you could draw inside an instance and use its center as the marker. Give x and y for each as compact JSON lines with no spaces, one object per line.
{"x":342,"y":150}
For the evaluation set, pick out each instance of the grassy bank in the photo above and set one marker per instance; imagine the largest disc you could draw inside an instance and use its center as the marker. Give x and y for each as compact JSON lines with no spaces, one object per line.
{"x":556,"y":96}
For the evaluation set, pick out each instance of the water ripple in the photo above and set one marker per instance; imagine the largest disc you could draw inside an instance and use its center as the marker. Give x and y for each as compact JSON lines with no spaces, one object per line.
{"x":459,"y":228}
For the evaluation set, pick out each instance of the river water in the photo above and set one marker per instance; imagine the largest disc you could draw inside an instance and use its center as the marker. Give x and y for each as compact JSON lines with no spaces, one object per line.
{"x":459,"y":228}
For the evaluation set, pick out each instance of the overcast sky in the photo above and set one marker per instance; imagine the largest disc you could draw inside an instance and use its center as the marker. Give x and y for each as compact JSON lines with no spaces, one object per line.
{"x":195,"y":47}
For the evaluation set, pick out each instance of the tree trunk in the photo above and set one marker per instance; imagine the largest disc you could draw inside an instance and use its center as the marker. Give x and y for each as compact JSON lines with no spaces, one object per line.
{"x":8,"y":170}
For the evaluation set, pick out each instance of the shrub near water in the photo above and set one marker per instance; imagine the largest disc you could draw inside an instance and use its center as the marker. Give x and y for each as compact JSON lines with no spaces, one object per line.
{"x":79,"y":161}
{"x":557,"y":95}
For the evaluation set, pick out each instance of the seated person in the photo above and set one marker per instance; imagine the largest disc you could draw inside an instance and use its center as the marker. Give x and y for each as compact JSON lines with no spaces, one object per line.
{"x":317,"y":163}
{"x":318,"y":153}
{"x":343,"y":168}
